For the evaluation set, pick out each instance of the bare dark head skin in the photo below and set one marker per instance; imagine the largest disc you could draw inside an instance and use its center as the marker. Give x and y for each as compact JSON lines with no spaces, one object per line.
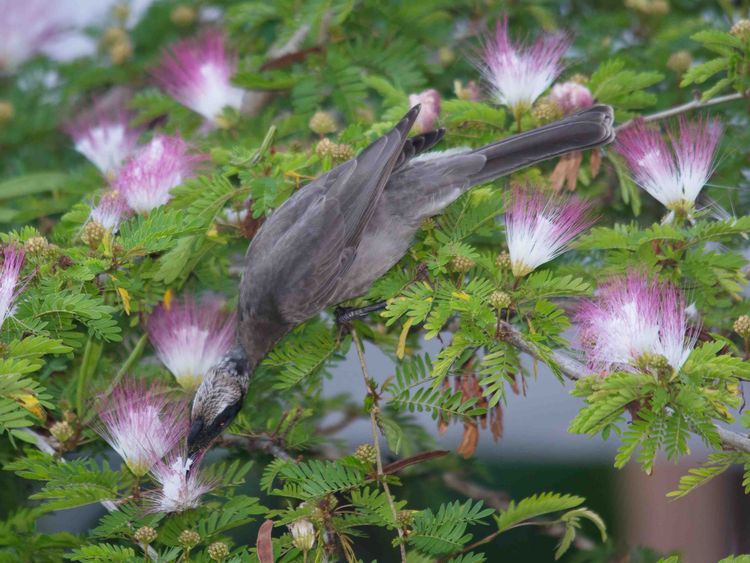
{"x":333,"y":238}
{"x":218,"y":400}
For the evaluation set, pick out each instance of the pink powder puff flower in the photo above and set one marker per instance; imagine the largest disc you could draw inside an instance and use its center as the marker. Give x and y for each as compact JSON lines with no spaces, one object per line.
{"x":519,"y":73}
{"x":10,"y":269}
{"x":141,"y":424}
{"x":197,"y":73}
{"x":105,"y":140}
{"x":428,"y":115}
{"x":26,"y":27}
{"x":674,"y":174}
{"x":181,"y":484}
{"x":539,"y":228}
{"x":147,"y":177}
{"x":109,"y":211}
{"x":191,"y":337}
{"x":571,"y":97}
{"x":633,"y":317}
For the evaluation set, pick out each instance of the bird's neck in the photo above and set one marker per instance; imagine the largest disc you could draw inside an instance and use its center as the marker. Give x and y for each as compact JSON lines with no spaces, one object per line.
{"x":260,"y":340}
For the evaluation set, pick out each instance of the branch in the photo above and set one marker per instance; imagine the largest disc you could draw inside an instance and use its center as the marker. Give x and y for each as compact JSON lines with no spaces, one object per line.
{"x":260,"y":444}
{"x":376,"y":444}
{"x":575,"y":370}
{"x":694,"y":104}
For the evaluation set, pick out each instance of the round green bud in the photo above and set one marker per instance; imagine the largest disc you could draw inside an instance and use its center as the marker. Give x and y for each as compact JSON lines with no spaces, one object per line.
{"x":145,"y":535}
{"x":322,"y":123}
{"x":366,"y":453}
{"x":188,"y":539}
{"x":742,"y":326}
{"x":503,"y":260}
{"x":462,"y":264}
{"x":36,"y":245}
{"x":499,"y":300}
{"x":324,"y":148}
{"x":741,"y":30}
{"x":546,"y":110}
{"x":62,"y":431}
{"x":93,"y":234}
{"x":342,"y":151}
{"x":218,"y":551}
{"x":679,"y":61}
{"x":182,"y":15}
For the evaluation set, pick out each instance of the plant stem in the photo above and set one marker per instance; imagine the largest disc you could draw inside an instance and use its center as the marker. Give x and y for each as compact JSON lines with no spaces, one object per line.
{"x":376,"y":443}
{"x":694,"y":104}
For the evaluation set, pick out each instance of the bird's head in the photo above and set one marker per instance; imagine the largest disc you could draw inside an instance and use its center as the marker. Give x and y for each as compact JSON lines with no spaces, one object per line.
{"x":218,"y":399}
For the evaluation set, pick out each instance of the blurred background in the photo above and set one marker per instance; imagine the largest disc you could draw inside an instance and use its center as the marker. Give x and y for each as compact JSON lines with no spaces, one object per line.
{"x":535,"y":453}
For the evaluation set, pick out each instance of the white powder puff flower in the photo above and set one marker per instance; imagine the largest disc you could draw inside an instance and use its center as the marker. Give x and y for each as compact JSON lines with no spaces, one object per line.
{"x":539,"y":228}
{"x":10,"y":269}
{"x":197,"y":73}
{"x":181,"y":484}
{"x":673,"y":173}
{"x":519,"y":73}
{"x":141,"y":424}
{"x":191,"y":337}
{"x":147,"y":178}
{"x":632,"y":318}
{"x":104,"y":138}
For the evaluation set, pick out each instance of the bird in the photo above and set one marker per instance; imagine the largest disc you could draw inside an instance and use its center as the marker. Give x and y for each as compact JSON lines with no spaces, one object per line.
{"x":339,"y":233}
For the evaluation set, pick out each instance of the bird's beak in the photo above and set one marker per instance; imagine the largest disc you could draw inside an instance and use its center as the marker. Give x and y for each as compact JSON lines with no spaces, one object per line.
{"x":196,"y":438}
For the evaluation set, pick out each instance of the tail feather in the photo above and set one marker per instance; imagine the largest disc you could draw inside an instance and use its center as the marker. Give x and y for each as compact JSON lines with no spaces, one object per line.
{"x":584,"y":130}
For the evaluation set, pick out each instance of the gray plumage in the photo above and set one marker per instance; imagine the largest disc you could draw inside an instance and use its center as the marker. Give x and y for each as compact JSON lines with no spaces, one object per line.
{"x":338,"y":234}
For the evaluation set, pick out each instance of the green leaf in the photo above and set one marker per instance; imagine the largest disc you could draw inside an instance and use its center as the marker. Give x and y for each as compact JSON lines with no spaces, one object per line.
{"x":533,"y":507}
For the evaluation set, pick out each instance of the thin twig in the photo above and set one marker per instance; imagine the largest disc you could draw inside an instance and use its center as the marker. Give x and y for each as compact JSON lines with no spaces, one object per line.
{"x":694,"y":104}
{"x":575,"y":370}
{"x":376,"y":444}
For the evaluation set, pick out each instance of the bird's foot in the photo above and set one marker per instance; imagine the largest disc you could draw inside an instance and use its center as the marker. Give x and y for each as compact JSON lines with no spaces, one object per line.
{"x":345,"y":315}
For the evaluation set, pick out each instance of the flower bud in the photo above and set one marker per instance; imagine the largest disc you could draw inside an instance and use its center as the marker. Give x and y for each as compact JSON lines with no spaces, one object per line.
{"x":742,"y":326}
{"x":145,"y":535}
{"x":462,"y":264}
{"x":547,"y":110}
{"x":446,"y":55}
{"x":741,"y":30}
{"x":469,"y":92}
{"x":679,"y":61}
{"x":322,"y":123}
{"x":303,"y":534}
{"x":341,"y":151}
{"x":121,"y":51}
{"x":182,"y":15}
{"x":92,"y":233}
{"x":405,"y":518}
{"x":503,"y":260}
{"x":366,"y":453}
{"x":121,"y":11}
{"x":428,"y":115}
{"x":324,"y":148}
{"x":113,"y":35}
{"x":6,"y":111}
{"x":61,"y":431}
{"x":36,"y":245}
{"x":499,"y":300}
{"x":218,"y":551}
{"x":571,"y":96}
{"x":188,"y":539}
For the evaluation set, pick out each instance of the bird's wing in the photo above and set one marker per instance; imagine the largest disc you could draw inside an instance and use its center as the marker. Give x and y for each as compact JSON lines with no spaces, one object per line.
{"x":315,"y":252}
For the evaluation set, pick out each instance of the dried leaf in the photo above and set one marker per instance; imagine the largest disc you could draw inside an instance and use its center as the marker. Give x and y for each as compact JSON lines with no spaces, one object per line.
{"x":469,"y":440}
{"x":264,"y":543}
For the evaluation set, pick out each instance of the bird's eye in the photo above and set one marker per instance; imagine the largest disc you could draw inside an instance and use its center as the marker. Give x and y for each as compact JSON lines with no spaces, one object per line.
{"x":226,"y":416}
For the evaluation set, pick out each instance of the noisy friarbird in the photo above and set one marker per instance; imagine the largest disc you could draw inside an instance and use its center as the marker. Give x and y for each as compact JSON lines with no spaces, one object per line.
{"x":338,"y":234}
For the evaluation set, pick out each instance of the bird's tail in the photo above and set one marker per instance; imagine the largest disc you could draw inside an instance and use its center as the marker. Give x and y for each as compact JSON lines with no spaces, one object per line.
{"x":584,"y":130}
